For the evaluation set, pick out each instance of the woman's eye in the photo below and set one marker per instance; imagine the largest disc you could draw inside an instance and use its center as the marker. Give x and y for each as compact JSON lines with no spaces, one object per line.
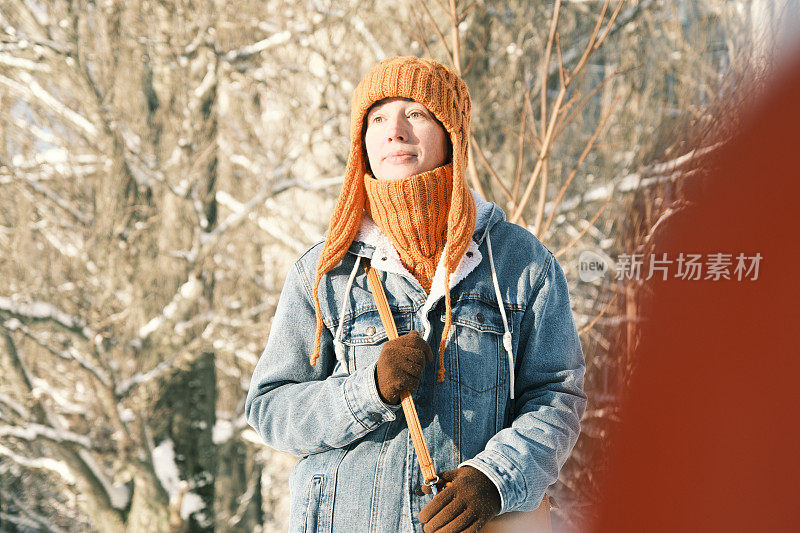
{"x":416,"y":114}
{"x":376,"y":119}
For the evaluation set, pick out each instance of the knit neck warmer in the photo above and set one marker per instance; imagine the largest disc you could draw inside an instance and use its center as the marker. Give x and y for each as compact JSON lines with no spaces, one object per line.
{"x":412,"y":212}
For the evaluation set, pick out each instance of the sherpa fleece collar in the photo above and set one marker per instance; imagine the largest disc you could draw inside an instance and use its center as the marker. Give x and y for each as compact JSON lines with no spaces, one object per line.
{"x":385,"y":257}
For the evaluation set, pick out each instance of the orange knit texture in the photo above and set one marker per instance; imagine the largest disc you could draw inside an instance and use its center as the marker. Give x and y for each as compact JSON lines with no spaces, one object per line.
{"x":412,"y":212}
{"x":445,"y":94}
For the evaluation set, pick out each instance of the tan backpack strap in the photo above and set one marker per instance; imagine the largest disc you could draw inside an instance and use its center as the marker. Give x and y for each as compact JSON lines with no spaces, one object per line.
{"x":410,"y":411}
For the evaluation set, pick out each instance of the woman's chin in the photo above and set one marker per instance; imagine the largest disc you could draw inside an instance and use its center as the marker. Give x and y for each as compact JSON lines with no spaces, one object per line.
{"x":396,"y":172}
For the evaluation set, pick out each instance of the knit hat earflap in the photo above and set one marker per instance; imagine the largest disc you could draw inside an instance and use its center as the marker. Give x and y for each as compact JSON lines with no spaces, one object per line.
{"x":445,"y":94}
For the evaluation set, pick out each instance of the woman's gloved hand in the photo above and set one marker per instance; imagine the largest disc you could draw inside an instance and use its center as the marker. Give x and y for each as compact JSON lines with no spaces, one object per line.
{"x":467,"y":499}
{"x":400,"y":366}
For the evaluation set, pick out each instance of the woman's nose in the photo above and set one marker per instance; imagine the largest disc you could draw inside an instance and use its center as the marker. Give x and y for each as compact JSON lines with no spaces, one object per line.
{"x":398,"y":129}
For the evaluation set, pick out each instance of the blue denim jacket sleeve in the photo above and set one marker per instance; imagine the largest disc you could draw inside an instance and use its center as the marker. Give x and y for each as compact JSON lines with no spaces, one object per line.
{"x":302,"y":409}
{"x":524,"y":459}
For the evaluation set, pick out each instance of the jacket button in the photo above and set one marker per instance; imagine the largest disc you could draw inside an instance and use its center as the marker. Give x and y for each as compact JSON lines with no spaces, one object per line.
{"x":370,"y":330}
{"x":383,"y":258}
{"x":375,"y":417}
{"x":480,"y":317}
{"x":469,"y":254}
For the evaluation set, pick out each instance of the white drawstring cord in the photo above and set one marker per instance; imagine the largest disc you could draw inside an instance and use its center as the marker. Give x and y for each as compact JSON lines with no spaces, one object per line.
{"x":507,"y":334}
{"x":337,"y":340}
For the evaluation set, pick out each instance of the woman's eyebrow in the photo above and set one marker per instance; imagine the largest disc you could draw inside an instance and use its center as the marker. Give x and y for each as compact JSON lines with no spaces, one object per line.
{"x":375,"y":110}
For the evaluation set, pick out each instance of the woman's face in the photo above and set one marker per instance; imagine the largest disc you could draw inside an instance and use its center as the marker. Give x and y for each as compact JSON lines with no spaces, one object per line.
{"x":403,"y":138}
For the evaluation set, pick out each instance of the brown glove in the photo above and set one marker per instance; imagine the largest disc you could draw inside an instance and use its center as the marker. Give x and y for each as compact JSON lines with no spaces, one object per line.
{"x":400,"y":366}
{"x":467,"y":499}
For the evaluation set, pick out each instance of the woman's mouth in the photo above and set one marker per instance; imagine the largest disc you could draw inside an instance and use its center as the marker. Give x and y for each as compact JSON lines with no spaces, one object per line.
{"x":397,"y":158}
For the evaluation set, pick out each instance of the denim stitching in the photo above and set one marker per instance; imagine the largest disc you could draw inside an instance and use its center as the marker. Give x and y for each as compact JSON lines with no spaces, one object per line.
{"x":347,"y":401}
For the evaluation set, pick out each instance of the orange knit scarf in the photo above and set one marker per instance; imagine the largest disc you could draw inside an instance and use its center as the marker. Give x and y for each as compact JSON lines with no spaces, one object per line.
{"x":412,"y":212}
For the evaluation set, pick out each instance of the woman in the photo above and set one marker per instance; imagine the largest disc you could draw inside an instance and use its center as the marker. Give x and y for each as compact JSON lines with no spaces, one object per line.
{"x":501,"y":395}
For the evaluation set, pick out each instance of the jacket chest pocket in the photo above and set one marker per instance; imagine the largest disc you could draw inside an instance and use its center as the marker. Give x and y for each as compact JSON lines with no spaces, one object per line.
{"x":363,"y":335}
{"x":478,"y":358}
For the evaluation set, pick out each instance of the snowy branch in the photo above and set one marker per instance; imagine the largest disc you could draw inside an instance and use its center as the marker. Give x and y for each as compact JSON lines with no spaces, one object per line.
{"x":125,"y":387}
{"x":30,"y":89}
{"x":43,"y":311}
{"x":143,"y":168}
{"x":361,"y":28}
{"x":268,"y":224}
{"x":244,"y":501}
{"x":369,"y":38}
{"x":41,"y":463}
{"x":29,"y":41}
{"x":118,"y":496}
{"x":181,"y":303}
{"x":680,"y":161}
{"x":22,"y":63}
{"x":80,"y":462}
{"x":258,"y":47}
{"x":38,"y":12}
{"x":32,"y":432}
{"x":645,"y":177}
{"x":201,"y":92}
{"x":209,"y":240}
{"x":71,"y":354}
{"x":55,"y":163}
{"x":42,"y":134}
{"x":226,"y":429}
{"x":47,"y":193}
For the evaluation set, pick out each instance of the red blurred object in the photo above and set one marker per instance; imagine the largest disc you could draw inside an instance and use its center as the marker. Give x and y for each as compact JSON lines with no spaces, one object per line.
{"x":711,"y":425}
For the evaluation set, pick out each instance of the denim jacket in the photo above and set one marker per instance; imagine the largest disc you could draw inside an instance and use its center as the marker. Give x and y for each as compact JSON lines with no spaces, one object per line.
{"x":510,"y":404}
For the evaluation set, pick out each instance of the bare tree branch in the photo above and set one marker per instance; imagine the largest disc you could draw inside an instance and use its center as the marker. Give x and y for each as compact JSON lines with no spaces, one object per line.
{"x":588,"y":326}
{"x":36,"y":520}
{"x":437,"y":30}
{"x":589,"y":224}
{"x":71,"y":354}
{"x":188,"y":293}
{"x":547,"y":136}
{"x":20,"y":410}
{"x":583,"y":155}
{"x":209,"y":240}
{"x":79,"y":461}
{"x":42,"y":189}
{"x":495,"y":177}
{"x":369,"y":38}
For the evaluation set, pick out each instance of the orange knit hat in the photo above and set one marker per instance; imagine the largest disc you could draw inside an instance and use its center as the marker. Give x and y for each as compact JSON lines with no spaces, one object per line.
{"x":446,"y":96}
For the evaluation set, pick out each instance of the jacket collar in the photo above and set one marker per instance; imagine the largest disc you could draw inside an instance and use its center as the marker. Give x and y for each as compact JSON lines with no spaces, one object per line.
{"x":372,"y":243}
